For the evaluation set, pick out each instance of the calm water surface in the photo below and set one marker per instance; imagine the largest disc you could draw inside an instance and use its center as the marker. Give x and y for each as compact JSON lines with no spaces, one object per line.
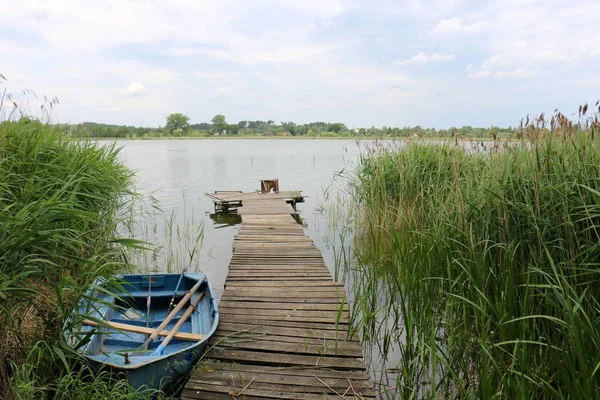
{"x":178,"y":173}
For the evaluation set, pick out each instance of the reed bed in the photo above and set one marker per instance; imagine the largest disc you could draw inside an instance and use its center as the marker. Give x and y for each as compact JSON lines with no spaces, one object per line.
{"x":477,"y":266}
{"x":60,"y":205}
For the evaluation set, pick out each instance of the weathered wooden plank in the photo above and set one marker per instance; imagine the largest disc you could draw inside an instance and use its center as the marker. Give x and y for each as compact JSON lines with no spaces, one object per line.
{"x":227,"y":327}
{"x":265,"y":358}
{"x":273,"y":279}
{"x":317,"y":291}
{"x":289,"y":317}
{"x":275,"y":312}
{"x":322,"y":346}
{"x":276,"y":274}
{"x":281,"y":195}
{"x":271,"y":299}
{"x":280,"y":255}
{"x":283,"y":256}
{"x":282,"y":306}
{"x":248,"y":320}
{"x":271,"y":230}
{"x":300,"y":291}
{"x":273,"y":246}
{"x":216,"y":392}
{"x":285,"y":348}
{"x":327,"y":387}
{"x":250,"y":273}
{"x":295,"y":229}
{"x":311,"y":382}
{"x":289,"y":294}
{"x":277,"y":263}
{"x":266,"y":268}
{"x":293,"y":371}
{"x":269,"y":220}
{"x":256,"y":283}
{"x":241,"y":266}
{"x":271,"y":238}
{"x":265,"y":264}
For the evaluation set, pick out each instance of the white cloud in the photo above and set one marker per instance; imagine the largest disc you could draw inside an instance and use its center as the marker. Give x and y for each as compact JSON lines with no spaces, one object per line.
{"x":530,"y":39}
{"x":319,"y":8}
{"x":457,"y":27}
{"x":524,"y":54}
{"x":514,"y":73}
{"x":422,"y":58}
{"x":480,"y":74}
{"x":134,"y":89}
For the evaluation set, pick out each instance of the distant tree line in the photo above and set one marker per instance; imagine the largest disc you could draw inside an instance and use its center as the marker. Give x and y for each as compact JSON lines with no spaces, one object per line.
{"x":178,"y":125}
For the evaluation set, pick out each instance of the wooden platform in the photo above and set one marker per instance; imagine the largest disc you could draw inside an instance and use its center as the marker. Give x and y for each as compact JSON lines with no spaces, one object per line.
{"x":283,"y":328}
{"x":237,"y":200}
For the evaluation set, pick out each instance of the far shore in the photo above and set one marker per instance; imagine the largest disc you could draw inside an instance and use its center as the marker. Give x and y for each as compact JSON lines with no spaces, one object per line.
{"x":392,"y":138}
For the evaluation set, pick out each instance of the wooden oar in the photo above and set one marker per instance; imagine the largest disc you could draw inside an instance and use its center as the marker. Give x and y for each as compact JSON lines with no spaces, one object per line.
{"x":179,"y":306}
{"x":141,"y":329}
{"x":161,"y":348}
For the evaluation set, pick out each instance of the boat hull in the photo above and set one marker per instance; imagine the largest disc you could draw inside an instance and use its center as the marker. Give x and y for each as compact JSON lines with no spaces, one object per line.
{"x":161,"y":374}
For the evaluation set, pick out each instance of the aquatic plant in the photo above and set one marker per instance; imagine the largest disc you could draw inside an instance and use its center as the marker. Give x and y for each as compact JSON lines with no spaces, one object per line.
{"x":60,"y":204}
{"x":478,"y":264}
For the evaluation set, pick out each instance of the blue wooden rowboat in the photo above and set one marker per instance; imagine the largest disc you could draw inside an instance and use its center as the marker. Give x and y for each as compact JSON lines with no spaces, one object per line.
{"x":116,"y":328}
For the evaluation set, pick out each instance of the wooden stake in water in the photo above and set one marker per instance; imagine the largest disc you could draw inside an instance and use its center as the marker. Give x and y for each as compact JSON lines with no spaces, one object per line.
{"x":148,"y":301}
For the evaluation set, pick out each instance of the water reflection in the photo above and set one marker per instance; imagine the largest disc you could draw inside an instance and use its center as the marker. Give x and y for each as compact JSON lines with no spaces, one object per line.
{"x":224,"y":220}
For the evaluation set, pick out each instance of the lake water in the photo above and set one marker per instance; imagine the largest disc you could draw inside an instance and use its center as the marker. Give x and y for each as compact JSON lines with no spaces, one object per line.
{"x":178,"y":173}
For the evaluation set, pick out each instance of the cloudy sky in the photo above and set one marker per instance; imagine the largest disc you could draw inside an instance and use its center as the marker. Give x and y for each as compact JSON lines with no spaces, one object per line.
{"x":435,"y":63}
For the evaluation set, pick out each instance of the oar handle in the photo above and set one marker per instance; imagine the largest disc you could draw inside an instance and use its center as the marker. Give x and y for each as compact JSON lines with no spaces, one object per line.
{"x":173,"y":313}
{"x":161,"y":348}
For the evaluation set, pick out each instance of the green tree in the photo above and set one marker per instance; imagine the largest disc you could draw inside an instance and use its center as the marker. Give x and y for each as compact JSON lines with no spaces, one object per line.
{"x":177,"y":121}
{"x":337,"y":127}
{"x":233,"y":129}
{"x":289,"y":127}
{"x":219,"y":124}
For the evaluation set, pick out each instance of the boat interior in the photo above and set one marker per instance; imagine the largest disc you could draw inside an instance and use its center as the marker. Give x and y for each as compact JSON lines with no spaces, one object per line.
{"x":126,"y":302}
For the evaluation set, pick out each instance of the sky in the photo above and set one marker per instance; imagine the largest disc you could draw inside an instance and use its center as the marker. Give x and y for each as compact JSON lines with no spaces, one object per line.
{"x":433,"y":63}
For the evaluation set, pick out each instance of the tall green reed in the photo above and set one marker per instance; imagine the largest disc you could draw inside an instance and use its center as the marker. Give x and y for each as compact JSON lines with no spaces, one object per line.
{"x":480,"y":265}
{"x":60,"y":204}
{"x":172,"y":240}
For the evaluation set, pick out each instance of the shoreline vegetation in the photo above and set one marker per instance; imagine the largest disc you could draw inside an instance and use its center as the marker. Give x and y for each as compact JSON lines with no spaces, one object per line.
{"x":178,"y":126}
{"x":479,"y":267}
{"x":61,"y":202}
{"x":254,"y":137}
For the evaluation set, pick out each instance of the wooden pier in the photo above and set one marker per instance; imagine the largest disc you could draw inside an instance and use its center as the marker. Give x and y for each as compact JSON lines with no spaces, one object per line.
{"x":283,"y":327}
{"x":226,"y":201}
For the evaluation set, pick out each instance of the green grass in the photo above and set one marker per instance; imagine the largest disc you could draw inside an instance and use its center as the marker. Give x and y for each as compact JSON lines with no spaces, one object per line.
{"x":481,"y":266}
